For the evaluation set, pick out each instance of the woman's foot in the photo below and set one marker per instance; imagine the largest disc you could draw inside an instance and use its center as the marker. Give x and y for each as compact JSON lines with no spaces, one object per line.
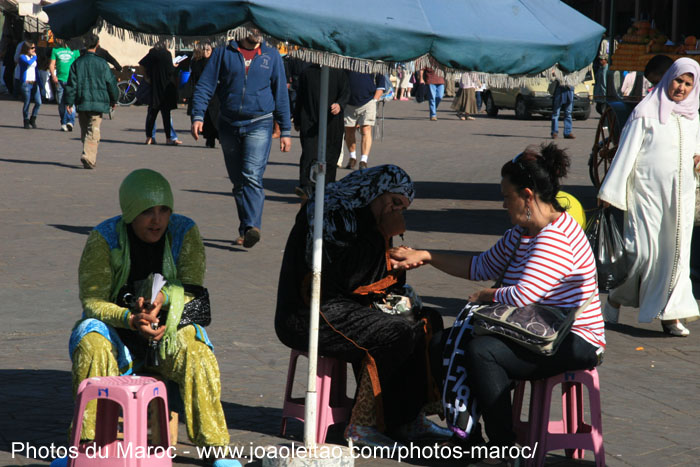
{"x":611,"y":313}
{"x":675,"y":328}
{"x":368,"y":436}
{"x":150,"y":141}
{"x":173,"y":142}
{"x":423,"y":429}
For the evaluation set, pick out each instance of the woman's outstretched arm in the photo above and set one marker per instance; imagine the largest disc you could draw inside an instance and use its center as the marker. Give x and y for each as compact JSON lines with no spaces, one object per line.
{"x":407,"y":258}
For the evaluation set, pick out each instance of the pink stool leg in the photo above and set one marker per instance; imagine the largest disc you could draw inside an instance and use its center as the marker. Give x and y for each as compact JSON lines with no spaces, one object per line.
{"x":293,"y":356}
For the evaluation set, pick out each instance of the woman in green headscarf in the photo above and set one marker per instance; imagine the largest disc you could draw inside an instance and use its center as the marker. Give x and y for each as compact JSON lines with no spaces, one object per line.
{"x":111,"y":339}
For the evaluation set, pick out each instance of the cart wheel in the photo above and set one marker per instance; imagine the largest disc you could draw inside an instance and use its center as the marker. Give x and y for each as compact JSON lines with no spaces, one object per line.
{"x":607,"y":136}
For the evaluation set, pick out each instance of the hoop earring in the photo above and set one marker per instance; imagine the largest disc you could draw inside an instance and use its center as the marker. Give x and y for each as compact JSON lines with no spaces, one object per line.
{"x":528,"y":214}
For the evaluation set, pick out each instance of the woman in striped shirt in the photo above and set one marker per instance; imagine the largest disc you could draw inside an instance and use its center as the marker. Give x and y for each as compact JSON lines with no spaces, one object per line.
{"x":553,"y":265}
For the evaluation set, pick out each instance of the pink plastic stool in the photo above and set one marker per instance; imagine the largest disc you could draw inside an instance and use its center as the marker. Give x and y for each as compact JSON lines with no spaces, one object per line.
{"x":131,"y":394}
{"x":570,"y":433}
{"x":333,"y":405}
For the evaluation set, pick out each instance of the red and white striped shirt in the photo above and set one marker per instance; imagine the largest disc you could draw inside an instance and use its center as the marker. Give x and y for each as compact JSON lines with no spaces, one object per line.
{"x":555,"y":267}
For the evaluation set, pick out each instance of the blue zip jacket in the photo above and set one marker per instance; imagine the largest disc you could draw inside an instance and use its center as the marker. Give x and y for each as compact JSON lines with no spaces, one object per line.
{"x":244,"y":97}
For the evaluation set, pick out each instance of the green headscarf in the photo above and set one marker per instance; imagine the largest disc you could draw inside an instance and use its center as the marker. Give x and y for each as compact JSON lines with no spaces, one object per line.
{"x":143,"y":189}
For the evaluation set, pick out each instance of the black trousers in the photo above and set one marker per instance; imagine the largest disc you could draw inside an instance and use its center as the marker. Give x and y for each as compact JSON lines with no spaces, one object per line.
{"x":494,"y":363}
{"x":151,"y":120}
{"x":309,"y":154}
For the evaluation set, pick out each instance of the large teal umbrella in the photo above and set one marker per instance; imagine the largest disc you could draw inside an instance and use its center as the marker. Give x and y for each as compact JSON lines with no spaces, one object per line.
{"x":498,"y":37}
{"x":494,"y":36}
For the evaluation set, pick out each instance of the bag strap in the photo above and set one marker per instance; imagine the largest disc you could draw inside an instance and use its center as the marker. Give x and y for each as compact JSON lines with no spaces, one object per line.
{"x":584,"y":306}
{"x":499,"y":281}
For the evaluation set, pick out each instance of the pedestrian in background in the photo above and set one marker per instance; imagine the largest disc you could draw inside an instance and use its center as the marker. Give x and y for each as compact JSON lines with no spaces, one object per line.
{"x":562,"y":96}
{"x":465,"y":101}
{"x":306,"y":121}
{"x":62,"y":57}
{"x":436,"y":86}
{"x":29,"y":82}
{"x":92,"y":87}
{"x":361,"y":113}
{"x":160,"y":71}
{"x":652,"y":179}
{"x":248,"y":78}
{"x":199,"y":60}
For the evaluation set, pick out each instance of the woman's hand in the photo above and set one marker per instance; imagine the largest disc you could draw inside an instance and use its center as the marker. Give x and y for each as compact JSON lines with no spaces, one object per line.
{"x":148,"y":315}
{"x":403,"y":257}
{"x":483,"y":296}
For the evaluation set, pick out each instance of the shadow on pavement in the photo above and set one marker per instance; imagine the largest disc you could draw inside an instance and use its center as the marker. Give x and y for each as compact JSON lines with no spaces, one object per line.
{"x":78,"y":229}
{"x":496,"y":135}
{"x":635,"y":332}
{"x":59,"y":164}
{"x":37,"y":407}
{"x":208,"y":243}
{"x":471,"y":221}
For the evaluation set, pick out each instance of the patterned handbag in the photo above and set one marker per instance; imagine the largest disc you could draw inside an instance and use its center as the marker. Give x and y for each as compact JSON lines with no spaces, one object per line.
{"x":538,"y":328}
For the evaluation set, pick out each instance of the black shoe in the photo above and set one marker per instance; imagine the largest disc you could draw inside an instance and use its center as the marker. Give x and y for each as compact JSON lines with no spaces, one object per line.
{"x":351,"y":164}
{"x":211,"y":143}
{"x":27,"y":125}
{"x":32,"y":122}
{"x":251,"y":237}
{"x":363,"y":165}
{"x":69,"y":126}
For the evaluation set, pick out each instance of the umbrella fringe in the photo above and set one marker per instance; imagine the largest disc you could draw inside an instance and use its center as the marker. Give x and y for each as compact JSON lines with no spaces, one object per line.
{"x":361,"y":65}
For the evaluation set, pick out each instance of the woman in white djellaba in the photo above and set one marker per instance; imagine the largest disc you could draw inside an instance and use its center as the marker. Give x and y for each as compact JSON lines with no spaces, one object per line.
{"x":652,"y":179}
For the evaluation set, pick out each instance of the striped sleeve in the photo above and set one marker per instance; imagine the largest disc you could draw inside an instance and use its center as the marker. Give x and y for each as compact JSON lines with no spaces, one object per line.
{"x":489,"y":264}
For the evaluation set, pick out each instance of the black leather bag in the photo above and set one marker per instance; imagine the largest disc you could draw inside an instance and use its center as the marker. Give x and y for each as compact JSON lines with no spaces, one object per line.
{"x":197,"y":310}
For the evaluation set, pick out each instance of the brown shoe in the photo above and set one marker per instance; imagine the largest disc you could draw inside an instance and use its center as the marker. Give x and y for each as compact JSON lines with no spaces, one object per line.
{"x":351,"y":164}
{"x":363,"y":165}
{"x":433,"y":119}
{"x":555,"y":136}
{"x":251,"y":237}
{"x":87,"y":164}
{"x":569,"y":136}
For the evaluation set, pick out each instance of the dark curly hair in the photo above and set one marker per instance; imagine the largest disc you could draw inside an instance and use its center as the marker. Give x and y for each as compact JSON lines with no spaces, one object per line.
{"x":540,"y":169}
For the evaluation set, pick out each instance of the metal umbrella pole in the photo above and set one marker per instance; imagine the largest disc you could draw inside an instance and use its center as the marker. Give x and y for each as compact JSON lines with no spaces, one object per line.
{"x":311,"y":397}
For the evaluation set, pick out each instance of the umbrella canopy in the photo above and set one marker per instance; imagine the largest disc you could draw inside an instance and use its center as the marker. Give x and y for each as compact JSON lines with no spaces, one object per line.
{"x":515,"y":37}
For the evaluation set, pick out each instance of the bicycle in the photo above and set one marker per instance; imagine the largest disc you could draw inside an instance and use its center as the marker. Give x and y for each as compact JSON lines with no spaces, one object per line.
{"x":127,"y":89}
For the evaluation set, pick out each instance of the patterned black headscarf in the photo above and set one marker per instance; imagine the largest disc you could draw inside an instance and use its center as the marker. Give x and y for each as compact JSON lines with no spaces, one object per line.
{"x":354,"y":191}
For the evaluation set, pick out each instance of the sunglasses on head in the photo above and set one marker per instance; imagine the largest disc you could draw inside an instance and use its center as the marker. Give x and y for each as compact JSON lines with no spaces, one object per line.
{"x":516,"y":161}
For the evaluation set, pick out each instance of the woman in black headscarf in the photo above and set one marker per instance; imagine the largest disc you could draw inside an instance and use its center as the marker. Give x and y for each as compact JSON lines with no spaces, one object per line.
{"x":363,"y":211}
{"x":199,"y":60}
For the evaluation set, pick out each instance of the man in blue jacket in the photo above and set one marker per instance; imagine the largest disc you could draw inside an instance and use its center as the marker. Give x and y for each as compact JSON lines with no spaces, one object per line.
{"x":248,"y":78}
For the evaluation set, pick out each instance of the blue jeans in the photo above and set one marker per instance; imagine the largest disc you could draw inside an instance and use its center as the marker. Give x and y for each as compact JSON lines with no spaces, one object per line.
{"x":478,"y":100}
{"x":29,"y":91}
{"x":65,"y":116}
{"x":172,"y":136}
{"x":563,"y":97}
{"x":246,"y":150}
{"x":437,"y":91}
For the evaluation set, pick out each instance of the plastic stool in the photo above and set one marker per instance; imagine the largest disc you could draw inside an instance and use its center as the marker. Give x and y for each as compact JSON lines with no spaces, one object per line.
{"x":333,"y":405}
{"x":570,"y":433}
{"x":131,"y":394}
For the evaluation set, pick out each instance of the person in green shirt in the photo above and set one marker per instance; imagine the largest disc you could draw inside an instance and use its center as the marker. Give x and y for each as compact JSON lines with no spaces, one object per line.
{"x":62,"y":57}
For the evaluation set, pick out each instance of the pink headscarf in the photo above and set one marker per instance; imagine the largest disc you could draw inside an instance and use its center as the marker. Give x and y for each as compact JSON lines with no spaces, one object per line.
{"x":658,"y":105}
